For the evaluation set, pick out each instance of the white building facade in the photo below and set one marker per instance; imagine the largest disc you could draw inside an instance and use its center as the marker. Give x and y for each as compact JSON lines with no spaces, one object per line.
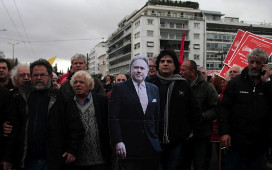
{"x":208,"y":36}
{"x":97,"y":59}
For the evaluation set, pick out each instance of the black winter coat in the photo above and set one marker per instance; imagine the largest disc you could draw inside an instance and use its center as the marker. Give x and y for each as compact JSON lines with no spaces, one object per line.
{"x":184,"y":113}
{"x":4,"y":111}
{"x":65,"y":131}
{"x":245,"y":114}
{"x":207,"y":99}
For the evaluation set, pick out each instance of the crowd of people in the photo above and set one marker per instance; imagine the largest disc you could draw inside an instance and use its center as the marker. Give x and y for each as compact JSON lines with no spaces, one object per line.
{"x":160,"y":116}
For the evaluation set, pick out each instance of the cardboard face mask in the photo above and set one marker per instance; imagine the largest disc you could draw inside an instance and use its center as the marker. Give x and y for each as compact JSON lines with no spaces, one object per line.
{"x":139,"y":70}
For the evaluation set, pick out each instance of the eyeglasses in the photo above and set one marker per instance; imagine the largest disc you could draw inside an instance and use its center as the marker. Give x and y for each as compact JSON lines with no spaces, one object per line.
{"x":24,"y":75}
{"x":39,"y":75}
{"x":152,"y":66}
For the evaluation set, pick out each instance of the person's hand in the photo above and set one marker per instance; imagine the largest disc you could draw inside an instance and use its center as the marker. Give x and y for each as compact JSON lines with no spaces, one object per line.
{"x":225,"y":140}
{"x":70,"y":158}
{"x":6,"y":165}
{"x":190,"y":135}
{"x":265,"y":68}
{"x":108,"y":82}
{"x":121,"y":150}
{"x":7,"y":128}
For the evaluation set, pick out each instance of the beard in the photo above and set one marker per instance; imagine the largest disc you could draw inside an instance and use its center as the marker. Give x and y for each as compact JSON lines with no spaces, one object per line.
{"x":44,"y":87}
{"x":254,"y":74}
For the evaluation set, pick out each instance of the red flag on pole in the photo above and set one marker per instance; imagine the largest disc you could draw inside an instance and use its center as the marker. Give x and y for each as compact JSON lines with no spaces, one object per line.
{"x":181,"y":59}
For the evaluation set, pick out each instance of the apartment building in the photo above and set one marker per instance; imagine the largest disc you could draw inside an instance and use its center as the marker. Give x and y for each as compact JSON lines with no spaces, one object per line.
{"x":208,"y":35}
{"x":97,"y":59}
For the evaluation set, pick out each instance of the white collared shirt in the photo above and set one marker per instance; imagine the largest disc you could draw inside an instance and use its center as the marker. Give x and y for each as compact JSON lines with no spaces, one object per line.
{"x":143,"y":86}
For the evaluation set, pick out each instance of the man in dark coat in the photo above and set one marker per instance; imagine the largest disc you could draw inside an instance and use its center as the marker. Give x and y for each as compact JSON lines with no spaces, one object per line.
{"x":4,"y":111}
{"x":5,"y":68}
{"x":95,"y":150}
{"x":244,"y":119}
{"x":134,"y":119}
{"x":50,"y":131}
{"x":207,"y":99}
{"x":179,"y":111}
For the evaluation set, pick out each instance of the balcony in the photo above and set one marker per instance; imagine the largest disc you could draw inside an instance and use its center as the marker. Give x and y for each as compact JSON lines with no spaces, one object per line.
{"x":119,"y":47}
{"x":123,"y":63}
{"x":120,"y":57}
{"x":173,"y":37}
{"x":120,"y":38}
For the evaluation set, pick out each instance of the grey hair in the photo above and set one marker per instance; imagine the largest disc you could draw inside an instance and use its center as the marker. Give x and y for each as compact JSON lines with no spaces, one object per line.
{"x":138,"y":58}
{"x":89,"y":79}
{"x":79,"y":56}
{"x":258,"y":53}
{"x":14,"y":73}
{"x":154,"y":59}
{"x":239,"y":68}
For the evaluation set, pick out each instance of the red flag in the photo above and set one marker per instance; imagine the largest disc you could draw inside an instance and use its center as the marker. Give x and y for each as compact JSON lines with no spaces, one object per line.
{"x":181,"y":59}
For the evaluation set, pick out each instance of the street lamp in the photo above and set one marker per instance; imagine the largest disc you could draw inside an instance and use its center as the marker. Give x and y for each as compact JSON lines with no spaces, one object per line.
{"x":13,"y":44}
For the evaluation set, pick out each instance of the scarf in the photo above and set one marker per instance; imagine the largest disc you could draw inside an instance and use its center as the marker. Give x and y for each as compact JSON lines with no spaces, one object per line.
{"x":171,"y":82}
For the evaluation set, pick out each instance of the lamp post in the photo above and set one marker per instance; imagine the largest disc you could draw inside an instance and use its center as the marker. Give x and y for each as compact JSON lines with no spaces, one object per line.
{"x":13,"y":44}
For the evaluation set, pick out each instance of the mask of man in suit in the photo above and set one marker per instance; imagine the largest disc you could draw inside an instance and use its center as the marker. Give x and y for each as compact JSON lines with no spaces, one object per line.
{"x":139,"y":70}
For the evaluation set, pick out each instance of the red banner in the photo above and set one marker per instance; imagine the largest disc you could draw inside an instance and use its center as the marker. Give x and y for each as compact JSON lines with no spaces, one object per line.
{"x":246,"y":46}
{"x":181,"y":59}
{"x":235,"y":44}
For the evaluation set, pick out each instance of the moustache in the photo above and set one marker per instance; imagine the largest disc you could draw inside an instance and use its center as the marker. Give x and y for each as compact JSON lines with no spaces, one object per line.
{"x":39,"y":81}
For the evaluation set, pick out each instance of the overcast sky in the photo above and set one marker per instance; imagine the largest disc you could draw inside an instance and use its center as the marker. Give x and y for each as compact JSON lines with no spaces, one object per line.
{"x":47,"y":28}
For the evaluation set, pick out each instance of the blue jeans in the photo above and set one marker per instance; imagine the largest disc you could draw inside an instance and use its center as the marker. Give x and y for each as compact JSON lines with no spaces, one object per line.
{"x":237,"y":161}
{"x":36,"y":164}
{"x":170,"y":155}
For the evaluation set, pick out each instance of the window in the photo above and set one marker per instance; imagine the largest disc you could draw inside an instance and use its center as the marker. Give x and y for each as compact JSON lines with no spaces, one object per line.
{"x":196,"y":57}
{"x":179,"y":25}
{"x":136,"y":46}
{"x":137,"y":35}
{"x":150,"y":33}
{"x":150,"y":21}
{"x":196,"y":25}
{"x":161,"y":13}
{"x":196,"y":46}
{"x":171,"y":35}
{"x":210,"y":36}
{"x":210,"y":65}
{"x":178,"y":36}
{"x":164,"y":35}
{"x":172,"y":25}
{"x":196,"y":36}
{"x":150,"y":44}
{"x":149,"y":55}
{"x":162,"y":24}
{"x":137,"y":24}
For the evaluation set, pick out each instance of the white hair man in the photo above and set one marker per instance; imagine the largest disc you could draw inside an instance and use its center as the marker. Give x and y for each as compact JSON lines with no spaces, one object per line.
{"x":19,"y":75}
{"x":234,"y":71}
{"x":95,"y":150}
